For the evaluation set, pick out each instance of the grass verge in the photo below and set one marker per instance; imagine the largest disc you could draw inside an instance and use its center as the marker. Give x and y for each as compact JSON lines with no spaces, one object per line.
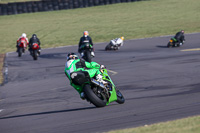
{"x":1,"y":67}
{"x":131,"y":20}
{"x":186,"y":125}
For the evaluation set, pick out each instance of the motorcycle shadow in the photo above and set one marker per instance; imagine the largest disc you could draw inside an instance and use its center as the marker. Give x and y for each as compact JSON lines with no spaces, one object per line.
{"x":103,"y":50}
{"x":160,"y":46}
{"x":53,"y":55}
{"x":48,"y":112}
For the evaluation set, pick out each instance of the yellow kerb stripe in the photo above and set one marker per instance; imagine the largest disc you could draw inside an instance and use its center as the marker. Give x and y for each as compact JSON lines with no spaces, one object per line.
{"x":195,"y":49}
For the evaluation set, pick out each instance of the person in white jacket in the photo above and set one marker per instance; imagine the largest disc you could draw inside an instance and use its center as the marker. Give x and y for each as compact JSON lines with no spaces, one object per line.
{"x":22,"y":38}
{"x":118,"y":41}
{"x":115,"y":44}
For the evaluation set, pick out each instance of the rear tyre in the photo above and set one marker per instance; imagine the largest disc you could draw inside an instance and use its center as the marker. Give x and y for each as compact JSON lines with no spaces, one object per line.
{"x":23,"y":50}
{"x":88,"y":56}
{"x":99,"y":100}
{"x":169,"y":45}
{"x":120,"y":97}
{"x":107,"y":47}
{"x":20,"y":52}
{"x":35,"y":55}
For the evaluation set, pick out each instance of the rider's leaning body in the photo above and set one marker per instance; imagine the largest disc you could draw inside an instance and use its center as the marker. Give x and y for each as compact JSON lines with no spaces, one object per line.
{"x":118,"y":41}
{"x":76,"y":64}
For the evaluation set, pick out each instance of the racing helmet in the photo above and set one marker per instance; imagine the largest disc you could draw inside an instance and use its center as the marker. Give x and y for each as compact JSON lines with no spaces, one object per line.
{"x":85,"y":33}
{"x":182,"y":31}
{"x":24,"y":35}
{"x":72,"y":56}
{"x":122,"y":38}
{"x":34,"y":36}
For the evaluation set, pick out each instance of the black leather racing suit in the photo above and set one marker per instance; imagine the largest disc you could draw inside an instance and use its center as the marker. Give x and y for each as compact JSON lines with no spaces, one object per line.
{"x":84,"y":40}
{"x":32,"y":41}
{"x":180,"y":37}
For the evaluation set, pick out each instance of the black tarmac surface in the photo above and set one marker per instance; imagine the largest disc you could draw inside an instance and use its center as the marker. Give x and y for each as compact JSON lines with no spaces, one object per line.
{"x":159,"y":84}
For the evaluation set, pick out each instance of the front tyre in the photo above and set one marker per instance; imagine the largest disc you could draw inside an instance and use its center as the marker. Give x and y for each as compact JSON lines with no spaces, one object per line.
{"x":120,"y":97}
{"x":98,"y":99}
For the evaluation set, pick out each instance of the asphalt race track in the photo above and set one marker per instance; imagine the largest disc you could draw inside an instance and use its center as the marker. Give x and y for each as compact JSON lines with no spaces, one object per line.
{"x":159,"y":84}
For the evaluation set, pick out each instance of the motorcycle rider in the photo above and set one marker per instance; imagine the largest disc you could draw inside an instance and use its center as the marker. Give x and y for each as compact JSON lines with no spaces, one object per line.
{"x":34,"y":39}
{"x":23,"y":36}
{"x":75,"y":64}
{"x":180,"y":37}
{"x":85,"y":39}
{"x":118,"y":41}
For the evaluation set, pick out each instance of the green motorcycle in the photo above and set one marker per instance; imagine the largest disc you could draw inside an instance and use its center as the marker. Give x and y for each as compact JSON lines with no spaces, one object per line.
{"x":86,"y":52}
{"x":96,"y":92}
{"x":173,"y":43}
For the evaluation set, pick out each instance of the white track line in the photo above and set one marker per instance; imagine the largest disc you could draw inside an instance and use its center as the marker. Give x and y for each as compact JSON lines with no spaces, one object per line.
{"x":114,"y":73}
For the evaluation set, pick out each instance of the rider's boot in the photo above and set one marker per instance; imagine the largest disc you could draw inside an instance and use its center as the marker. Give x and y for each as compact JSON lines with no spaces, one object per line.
{"x":82,"y":54}
{"x":92,"y":53}
{"x":39,"y":49}
{"x":82,"y":95}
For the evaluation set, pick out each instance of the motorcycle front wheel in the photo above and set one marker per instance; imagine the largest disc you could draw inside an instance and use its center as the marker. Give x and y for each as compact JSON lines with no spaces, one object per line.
{"x":98,"y":99}
{"x":120,"y":97}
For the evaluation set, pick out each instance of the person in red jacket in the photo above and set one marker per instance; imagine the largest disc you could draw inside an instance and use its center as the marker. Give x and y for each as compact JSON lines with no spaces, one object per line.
{"x":22,"y":38}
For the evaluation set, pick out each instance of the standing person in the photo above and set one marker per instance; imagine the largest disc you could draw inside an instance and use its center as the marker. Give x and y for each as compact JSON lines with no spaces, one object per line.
{"x":180,"y":37}
{"x":20,"y":39}
{"x":83,"y":40}
{"x":34,"y":39}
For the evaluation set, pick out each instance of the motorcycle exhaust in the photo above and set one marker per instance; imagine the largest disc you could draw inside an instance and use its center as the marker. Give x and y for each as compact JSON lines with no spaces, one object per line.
{"x":98,"y":83}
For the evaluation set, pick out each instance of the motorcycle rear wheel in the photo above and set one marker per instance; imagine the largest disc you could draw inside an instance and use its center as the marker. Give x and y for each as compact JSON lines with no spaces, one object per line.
{"x":98,"y":100}
{"x":20,"y":52}
{"x":108,"y":47}
{"x":88,"y":56}
{"x":35,"y":55}
{"x":169,"y":45}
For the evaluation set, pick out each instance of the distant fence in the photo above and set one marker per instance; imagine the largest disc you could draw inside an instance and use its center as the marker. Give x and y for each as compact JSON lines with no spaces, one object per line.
{"x":52,"y":5}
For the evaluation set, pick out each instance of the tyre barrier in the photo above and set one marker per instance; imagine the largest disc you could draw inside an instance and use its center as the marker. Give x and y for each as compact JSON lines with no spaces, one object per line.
{"x":52,"y":5}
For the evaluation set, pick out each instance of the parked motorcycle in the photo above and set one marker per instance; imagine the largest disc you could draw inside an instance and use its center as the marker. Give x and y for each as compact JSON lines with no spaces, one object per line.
{"x":35,"y":51}
{"x":173,"y":43}
{"x":21,"y":47}
{"x":96,"y":92}
{"x":86,"y":52}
